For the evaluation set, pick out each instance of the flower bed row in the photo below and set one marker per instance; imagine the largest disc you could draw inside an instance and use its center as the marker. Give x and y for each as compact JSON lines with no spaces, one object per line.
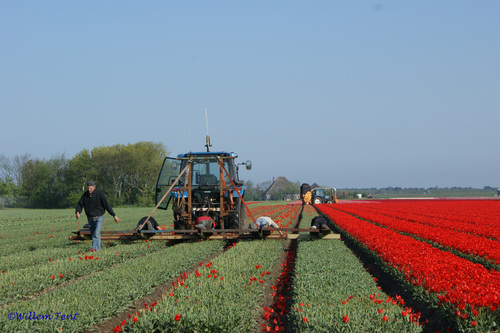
{"x":463,"y":242}
{"x":477,"y":217}
{"x":468,"y":291}
{"x":334,"y":293}
{"x":268,"y":210}
{"x":107,"y":292}
{"x":221,"y":296}
{"x":46,"y":272}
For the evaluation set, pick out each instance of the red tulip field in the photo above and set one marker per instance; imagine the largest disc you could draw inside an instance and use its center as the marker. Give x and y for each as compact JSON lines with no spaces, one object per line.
{"x":400,"y":266}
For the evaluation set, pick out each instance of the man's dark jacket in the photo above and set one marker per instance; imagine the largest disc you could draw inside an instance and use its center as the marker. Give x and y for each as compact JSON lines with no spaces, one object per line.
{"x":95,"y":204}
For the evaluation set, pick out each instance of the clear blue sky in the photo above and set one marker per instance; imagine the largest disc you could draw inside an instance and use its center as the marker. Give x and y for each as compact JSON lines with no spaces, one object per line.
{"x":342,"y":93}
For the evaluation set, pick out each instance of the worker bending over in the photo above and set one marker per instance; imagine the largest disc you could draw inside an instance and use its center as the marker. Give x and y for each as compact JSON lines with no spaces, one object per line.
{"x":264,"y":222}
{"x":204,"y":223}
{"x":319,"y":222}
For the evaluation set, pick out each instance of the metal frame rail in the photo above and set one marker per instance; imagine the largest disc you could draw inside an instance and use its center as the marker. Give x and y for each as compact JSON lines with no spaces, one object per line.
{"x":212,"y":234}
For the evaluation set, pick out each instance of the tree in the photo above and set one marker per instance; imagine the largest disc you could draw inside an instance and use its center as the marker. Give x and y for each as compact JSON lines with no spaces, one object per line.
{"x":8,"y":188}
{"x":146,"y":160}
{"x":6,"y":169}
{"x":81,"y":169}
{"x":126,"y":172}
{"x":17,"y":166}
{"x":111,"y":166}
{"x":53,"y":192}
{"x":129,"y":170}
{"x":43,"y":182}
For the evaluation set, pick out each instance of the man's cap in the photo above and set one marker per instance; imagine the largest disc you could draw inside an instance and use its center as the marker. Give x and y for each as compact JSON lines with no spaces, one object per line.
{"x":90,"y":183}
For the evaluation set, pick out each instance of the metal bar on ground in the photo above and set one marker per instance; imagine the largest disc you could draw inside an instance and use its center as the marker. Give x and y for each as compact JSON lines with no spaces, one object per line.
{"x":192,"y":234}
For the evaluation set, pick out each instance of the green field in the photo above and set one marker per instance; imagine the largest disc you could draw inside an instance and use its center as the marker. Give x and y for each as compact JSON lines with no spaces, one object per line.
{"x":50,"y":284}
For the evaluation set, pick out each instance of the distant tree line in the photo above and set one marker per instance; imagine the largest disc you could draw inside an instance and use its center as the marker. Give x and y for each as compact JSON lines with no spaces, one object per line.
{"x":126,"y":173}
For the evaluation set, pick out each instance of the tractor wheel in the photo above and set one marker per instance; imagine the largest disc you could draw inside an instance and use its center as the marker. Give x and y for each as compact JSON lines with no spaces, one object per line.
{"x":180,"y":225}
{"x":150,"y":225}
{"x":237,"y":219}
{"x":329,"y":202}
{"x":232,"y":221}
{"x":317,"y":200}
{"x":242,"y":215}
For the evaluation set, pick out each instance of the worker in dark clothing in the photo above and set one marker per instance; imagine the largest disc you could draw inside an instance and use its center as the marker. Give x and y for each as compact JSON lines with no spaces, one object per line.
{"x":95,"y":204}
{"x":319,"y":222}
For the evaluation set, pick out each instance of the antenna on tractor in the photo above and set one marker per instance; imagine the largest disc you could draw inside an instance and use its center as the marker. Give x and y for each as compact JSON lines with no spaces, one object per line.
{"x":207,"y":144}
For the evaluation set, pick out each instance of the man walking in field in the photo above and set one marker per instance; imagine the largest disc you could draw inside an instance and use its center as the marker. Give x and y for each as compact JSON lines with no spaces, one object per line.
{"x":95,"y":204}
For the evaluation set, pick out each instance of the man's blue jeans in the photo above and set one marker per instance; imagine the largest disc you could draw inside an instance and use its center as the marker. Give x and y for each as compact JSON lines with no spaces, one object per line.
{"x":95,"y":231}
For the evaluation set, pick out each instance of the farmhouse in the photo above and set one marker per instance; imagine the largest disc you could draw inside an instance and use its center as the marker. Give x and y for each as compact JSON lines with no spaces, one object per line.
{"x":278,"y":187}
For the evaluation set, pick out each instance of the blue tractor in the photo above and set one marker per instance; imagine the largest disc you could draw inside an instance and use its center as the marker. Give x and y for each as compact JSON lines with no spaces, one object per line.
{"x":203,"y":184}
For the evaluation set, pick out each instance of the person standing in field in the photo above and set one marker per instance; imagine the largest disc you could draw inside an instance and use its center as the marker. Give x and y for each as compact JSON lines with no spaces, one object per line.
{"x":95,"y":204}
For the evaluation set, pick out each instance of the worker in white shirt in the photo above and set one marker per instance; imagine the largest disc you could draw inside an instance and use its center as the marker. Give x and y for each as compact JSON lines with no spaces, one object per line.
{"x":264,"y":222}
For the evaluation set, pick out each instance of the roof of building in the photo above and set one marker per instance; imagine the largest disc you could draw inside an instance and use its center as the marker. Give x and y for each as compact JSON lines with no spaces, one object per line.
{"x":278,"y":185}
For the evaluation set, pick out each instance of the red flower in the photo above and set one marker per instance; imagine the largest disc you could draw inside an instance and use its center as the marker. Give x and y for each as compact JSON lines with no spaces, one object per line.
{"x":60,"y":275}
{"x":117,"y":329}
{"x":345,"y":318}
{"x":384,"y":318}
{"x":52,"y":277}
{"x":134,"y":319}
{"x":304,"y":320}
{"x":177,"y":317}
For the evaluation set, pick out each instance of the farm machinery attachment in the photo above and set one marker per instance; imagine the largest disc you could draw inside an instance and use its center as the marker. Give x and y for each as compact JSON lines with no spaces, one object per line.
{"x":206,"y":196}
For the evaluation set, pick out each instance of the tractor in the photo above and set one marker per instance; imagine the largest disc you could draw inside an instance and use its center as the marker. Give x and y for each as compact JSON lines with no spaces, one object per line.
{"x":324,"y":195}
{"x":208,"y":185}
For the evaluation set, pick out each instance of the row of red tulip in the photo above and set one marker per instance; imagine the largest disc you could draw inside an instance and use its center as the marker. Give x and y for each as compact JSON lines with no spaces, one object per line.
{"x":457,"y":283}
{"x":461,"y":241}
{"x":480,"y":218}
